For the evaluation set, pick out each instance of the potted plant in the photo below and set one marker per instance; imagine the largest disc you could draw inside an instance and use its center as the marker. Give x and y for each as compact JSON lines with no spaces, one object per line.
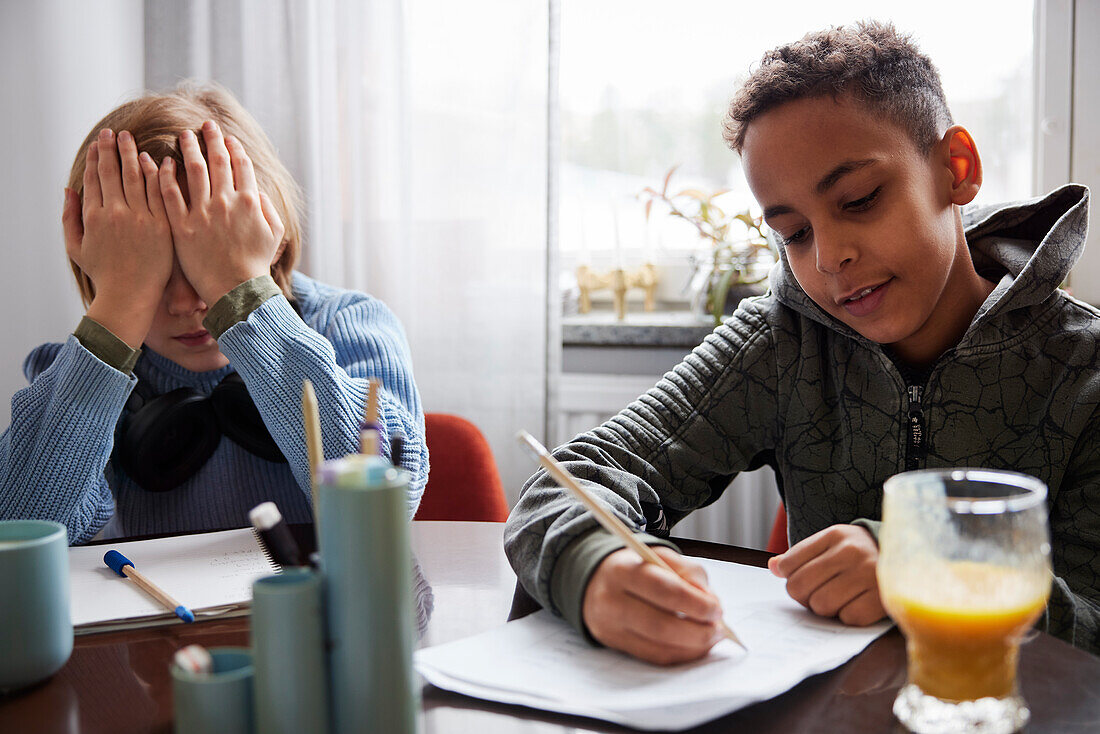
{"x":739,"y":253}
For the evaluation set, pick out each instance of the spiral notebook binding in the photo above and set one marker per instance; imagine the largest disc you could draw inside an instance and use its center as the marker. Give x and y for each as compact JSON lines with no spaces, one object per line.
{"x":275,"y":565}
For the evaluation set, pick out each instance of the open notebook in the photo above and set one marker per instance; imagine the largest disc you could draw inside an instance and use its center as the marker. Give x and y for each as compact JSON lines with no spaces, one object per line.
{"x":211,"y":573}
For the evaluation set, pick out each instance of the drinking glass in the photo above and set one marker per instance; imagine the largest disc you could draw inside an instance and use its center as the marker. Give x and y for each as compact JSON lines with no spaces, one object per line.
{"x":964,"y":571}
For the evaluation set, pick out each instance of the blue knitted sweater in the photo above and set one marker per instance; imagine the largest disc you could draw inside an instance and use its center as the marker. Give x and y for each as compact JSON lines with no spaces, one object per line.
{"x":55,"y":458}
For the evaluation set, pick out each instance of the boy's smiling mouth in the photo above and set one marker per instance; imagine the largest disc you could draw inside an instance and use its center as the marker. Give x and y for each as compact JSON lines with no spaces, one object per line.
{"x":864,"y":300}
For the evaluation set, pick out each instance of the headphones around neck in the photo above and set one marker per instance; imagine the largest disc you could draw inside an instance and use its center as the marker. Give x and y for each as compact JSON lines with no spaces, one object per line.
{"x":165,"y":439}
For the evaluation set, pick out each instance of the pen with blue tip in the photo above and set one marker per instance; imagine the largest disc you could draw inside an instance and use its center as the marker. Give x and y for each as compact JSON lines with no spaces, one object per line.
{"x":123,"y":566}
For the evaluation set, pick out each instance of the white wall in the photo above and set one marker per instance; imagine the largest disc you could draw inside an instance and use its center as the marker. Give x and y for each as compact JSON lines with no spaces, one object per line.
{"x":63,"y":65}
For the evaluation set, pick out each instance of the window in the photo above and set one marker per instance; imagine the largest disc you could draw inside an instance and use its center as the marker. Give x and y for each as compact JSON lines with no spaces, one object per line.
{"x":644,"y":85}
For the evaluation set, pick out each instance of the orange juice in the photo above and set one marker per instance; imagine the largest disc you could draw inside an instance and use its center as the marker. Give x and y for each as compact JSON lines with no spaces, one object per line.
{"x":963,"y":634}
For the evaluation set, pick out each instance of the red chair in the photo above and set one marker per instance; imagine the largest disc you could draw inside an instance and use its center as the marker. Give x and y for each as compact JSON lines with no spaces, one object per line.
{"x":463,"y":482}
{"x":777,"y":541}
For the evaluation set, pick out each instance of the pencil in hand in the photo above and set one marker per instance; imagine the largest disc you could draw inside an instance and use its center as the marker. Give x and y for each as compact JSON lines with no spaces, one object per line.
{"x":124,"y":567}
{"x":607,"y":519}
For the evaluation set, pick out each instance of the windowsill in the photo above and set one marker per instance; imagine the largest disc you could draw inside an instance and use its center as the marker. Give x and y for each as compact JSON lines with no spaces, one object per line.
{"x":666,"y":327}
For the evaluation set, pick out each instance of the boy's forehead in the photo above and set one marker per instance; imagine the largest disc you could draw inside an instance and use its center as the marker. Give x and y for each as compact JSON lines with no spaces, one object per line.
{"x":798,"y":143}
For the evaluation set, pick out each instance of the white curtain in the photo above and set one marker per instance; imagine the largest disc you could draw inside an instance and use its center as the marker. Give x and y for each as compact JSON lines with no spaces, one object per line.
{"x":418,"y":131}
{"x":53,"y":94}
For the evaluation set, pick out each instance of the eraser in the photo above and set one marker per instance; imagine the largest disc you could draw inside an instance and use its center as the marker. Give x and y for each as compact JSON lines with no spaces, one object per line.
{"x":194,"y":659}
{"x":115,"y":561}
{"x":185,"y":614}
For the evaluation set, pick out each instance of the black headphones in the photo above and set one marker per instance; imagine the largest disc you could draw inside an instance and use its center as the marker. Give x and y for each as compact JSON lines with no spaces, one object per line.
{"x":166,"y":438}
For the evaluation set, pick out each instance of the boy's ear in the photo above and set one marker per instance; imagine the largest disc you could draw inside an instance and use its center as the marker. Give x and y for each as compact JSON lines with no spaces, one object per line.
{"x":965,"y":165}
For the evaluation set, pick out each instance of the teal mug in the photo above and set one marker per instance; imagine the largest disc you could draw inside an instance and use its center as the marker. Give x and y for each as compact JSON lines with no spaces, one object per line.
{"x":36,"y":629}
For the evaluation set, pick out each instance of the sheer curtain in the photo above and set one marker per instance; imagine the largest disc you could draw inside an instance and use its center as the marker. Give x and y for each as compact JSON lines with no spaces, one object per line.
{"x":418,"y":132}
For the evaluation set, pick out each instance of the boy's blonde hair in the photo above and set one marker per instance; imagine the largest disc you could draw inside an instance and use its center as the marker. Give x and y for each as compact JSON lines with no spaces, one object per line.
{"x":156,"y":121}
{"x":872,"y":61}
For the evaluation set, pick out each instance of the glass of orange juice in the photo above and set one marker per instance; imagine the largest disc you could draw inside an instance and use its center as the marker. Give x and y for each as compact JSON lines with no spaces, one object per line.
{"x":964,"y":571}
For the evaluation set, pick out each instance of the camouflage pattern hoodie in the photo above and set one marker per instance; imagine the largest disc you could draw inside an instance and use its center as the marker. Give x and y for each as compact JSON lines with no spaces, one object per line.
{"x":783,"y":383}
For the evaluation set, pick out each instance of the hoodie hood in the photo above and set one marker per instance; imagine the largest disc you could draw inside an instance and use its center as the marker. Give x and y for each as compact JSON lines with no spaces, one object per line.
{"x":1027,"y":247}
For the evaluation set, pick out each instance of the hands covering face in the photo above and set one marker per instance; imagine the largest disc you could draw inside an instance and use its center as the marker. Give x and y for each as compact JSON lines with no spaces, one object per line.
{"x":231,"y":232}
{"x":135,"y":221}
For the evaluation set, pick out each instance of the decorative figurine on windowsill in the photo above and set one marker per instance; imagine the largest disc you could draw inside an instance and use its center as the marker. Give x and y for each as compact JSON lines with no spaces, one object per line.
{"x":619,"y":281}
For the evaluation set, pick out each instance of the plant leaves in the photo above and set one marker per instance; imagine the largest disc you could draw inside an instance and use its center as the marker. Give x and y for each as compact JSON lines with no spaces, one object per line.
{"x":668,"y":177}
{"x":719,"y":292}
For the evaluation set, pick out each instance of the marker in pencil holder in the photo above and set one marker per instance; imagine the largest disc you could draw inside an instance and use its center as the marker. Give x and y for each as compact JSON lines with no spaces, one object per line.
{"x":366,"y":561}
{"x":288,"y":653}
{"x":218,"y":702}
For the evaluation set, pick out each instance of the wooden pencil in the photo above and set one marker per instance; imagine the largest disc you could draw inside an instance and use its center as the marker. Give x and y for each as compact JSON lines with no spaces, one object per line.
{"x":150,"y":588}
{"x":123,"y":566}
{"x":311,"y":420}
{"x":368,"y":432}
{"x":607,"y":519}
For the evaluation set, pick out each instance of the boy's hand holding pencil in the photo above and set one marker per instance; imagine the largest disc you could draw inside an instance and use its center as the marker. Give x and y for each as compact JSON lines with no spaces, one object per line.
{"x":649,"y":612}
{"x":649,"y":602}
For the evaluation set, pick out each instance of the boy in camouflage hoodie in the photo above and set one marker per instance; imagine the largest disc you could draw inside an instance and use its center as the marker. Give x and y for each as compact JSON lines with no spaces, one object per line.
{"x":898,"y":333}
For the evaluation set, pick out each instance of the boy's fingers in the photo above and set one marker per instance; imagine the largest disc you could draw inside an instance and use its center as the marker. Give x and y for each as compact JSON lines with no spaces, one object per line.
{"x":93,"y":195}
{"x":801,"y":553}
{"x":72,"y":224}
{"x":244,"y":176}
{"x":642,"y":618}
{"x":110,"y":180}
{"x":174,"y":205}
{"x":152,"y":185}
{"x":690,"y":571}
{"x":665,"y":590}
{"x":807,"y":578}
{"x":273,"y":220}
{"x":660,"y":653}
{"x":865,"y":609}
{"x":831,"y":595}
{"x":198,"y":178}
{"x":217,"y":158}
{"x":133,"y":182}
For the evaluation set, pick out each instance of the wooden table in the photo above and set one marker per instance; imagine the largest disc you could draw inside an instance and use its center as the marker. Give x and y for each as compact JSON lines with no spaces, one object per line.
{"x":118,"y":682}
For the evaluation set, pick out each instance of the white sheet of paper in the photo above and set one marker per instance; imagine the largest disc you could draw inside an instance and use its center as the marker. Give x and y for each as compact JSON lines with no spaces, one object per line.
{"x":540,"y":661}
{"x":209,"y":571}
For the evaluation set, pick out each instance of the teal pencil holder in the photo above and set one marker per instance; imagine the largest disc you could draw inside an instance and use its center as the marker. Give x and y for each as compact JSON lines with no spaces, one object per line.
{"x":288,"y":653}
{"x":219,"y":702}
{"x":367,"y":565}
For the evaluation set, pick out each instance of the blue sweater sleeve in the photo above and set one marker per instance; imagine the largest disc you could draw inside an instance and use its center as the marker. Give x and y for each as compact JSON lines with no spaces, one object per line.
{"x":54,"y":453}
{"x":352,"y":341}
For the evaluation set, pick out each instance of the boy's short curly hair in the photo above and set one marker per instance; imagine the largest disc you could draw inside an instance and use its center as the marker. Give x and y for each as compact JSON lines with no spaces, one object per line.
{"x":156,"y":121}
{"x":882,"y":68}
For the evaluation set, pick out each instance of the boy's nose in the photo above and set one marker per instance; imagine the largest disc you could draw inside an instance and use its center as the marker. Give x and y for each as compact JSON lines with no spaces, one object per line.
{"x":833,"y":255}
{"x":183,"y":300}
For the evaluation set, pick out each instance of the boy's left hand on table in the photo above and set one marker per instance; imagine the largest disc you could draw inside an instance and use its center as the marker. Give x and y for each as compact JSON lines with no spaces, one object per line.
{"x":228,"y":231}
{"x":832,"y":573}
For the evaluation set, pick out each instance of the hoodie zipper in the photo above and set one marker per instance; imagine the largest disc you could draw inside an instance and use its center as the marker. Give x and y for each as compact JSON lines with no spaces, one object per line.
{"x":915,"y":447}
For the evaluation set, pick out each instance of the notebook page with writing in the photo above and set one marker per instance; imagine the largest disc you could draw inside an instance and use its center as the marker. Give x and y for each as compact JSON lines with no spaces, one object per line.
{"x":210,"y":573}
{"x":541,"y":661}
